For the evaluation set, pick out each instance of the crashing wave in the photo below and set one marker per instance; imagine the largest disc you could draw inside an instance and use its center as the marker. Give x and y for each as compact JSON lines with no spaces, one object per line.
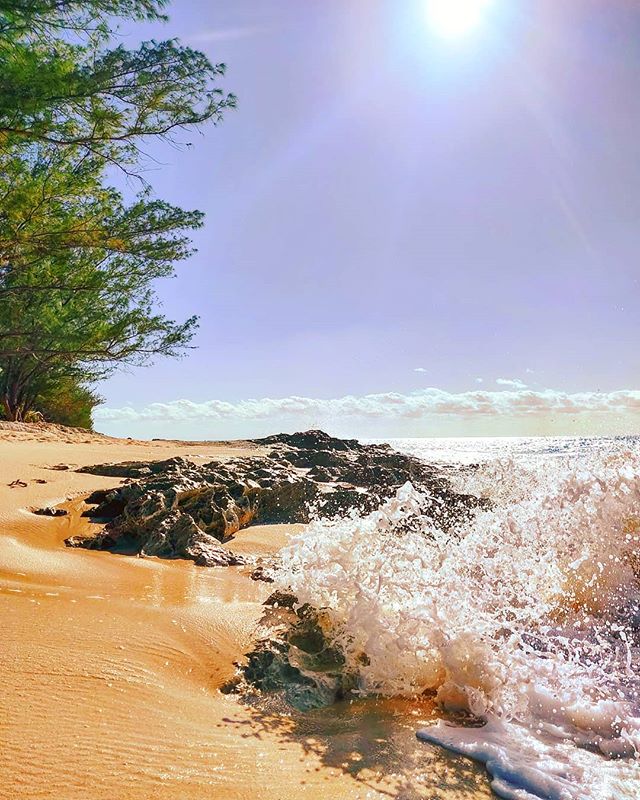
{"x":526,"y":617}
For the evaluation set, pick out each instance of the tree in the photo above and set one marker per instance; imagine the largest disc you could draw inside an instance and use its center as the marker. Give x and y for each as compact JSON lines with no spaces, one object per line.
{"x":77,"y":265}
{"x":49,"y":205}
{"x":64,"y":400}
{"x":55,"y":208}
{"x":79,"y":91}
{"x":82,"y":308}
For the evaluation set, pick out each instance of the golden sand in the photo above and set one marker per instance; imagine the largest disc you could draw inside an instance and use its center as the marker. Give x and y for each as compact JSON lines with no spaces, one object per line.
{"x":110,"y":666}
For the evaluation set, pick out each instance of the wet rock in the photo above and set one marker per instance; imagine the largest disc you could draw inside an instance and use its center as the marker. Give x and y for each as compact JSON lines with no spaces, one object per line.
{"x":178,"y":536}
{"x":262,"y":573}
{"x":269,"y":671}
{"x":100,"y":540}
{"x":177,"y":509}
{"x":49,"y":511}
{"x":298,"y":663}
{"x":280,"y":599}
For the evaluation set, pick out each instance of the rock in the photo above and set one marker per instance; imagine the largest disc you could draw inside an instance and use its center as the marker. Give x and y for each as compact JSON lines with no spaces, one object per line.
{"x":128,"y":469}
{"x":311,"y":440}
{"x":280,"y":599}
{"x":298,"y":664}
{"x":97,"y":497}
{"x":262,"y":573}
{"x":88,"y":542}
{"x":108,"y":505}
{"x":49,"y":511}
{"x":177,"y":509}
{"x":178,"y":536}
{"x":311,"y":458}
{"x":320,"y":474}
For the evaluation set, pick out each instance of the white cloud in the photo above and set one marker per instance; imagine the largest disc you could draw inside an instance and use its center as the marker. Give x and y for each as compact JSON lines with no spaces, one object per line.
{"x":419,"y":369}
{"x":479,"y":380}
{"x":512,"y":383}
{"x":529,"y":371}
{"x":432,"y":402}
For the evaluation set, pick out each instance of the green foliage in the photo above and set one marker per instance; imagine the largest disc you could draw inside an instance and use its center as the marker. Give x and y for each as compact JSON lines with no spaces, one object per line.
{"x":77,"y":263}
{"x":62,"y":400}
{"x":60,"y":228}
{"x":78,"y":90}
{"x":67,"y":402}
{"x":83,"y":303}
{"x":49,"y":17}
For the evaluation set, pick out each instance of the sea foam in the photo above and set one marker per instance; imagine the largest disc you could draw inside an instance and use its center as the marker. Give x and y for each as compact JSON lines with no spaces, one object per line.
{"x":526,"y":616}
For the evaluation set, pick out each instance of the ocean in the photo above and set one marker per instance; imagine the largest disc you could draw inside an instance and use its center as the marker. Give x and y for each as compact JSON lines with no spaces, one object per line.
{"x":523,"y":620}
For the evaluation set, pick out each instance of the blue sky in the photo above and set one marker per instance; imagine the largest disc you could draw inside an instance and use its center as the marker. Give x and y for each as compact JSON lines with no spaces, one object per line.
{"x":395,"y":213}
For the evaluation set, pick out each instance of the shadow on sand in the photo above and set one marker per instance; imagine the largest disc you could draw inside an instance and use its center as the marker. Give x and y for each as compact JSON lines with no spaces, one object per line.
{"x":373,"y":741}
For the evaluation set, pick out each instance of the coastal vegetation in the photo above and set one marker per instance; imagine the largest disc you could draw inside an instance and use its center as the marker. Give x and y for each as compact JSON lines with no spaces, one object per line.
{"x":78,"y":259}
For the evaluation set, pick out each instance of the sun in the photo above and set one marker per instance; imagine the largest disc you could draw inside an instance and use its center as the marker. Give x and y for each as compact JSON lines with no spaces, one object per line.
{"x":454,"y":19}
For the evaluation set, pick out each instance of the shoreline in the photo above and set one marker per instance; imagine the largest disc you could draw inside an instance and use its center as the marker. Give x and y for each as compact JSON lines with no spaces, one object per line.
{"x":110,"y":676}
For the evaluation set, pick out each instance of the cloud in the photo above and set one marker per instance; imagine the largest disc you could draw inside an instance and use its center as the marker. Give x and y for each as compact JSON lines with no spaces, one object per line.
{"x":519,"y":402}
{"x":419,"y":369}
{"x":479,"y":380}
{"x":513,"y":383}
{"x":222,"y":34}
{"x":529,"y":371}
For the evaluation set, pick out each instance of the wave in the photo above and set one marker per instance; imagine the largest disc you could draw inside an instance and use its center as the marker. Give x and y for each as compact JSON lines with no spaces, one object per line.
{"x":526,"y":617}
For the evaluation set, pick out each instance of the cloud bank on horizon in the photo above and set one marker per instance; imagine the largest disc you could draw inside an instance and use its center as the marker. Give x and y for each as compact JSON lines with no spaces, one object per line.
{"x":516,"y":401}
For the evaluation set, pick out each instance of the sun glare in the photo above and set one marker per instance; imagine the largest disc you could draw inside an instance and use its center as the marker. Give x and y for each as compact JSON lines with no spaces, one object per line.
{"x":454,"y":19}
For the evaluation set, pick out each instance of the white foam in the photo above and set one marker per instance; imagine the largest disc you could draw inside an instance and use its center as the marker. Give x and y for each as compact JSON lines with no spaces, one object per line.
{"x":526,"y":616}
{"x":530,"y":767}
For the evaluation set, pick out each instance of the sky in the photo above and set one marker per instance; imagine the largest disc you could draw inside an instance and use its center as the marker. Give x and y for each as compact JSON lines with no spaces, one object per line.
{"x":417,"y":224}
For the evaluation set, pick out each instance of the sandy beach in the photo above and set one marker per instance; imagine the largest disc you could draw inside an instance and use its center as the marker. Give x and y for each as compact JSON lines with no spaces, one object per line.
{"x":350,"y":290}
{"x":110,"y":665}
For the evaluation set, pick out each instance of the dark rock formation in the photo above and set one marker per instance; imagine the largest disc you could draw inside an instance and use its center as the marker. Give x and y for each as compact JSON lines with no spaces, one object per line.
{"x":108,"y":503}
{"x":263,"y":573}
{"x":49,"y":511}
{"x":126,"y":469}
{"x":280,"y":599}
{"x":362,"y":476}
{"x":312,"y":440}
{"x":297,"y":662}
{"x":175,"y":509}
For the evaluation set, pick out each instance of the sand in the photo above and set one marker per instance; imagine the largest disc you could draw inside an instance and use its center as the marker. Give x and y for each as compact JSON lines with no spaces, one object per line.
{"x":111,"y":666}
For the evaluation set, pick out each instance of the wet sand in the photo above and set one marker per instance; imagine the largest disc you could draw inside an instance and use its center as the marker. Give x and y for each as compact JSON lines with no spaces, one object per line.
{"x":110,"y":666}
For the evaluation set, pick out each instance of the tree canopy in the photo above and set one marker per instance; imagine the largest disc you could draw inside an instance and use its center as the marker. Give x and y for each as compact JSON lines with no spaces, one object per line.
{"x":76,"y":283}
{"x":64,"y":82}
{"x":77,"y":262}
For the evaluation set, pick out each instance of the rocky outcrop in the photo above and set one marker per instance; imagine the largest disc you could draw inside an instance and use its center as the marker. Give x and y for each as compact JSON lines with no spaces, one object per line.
{"x":312,"y":440}
{"x":176,"y":509}
{"x":297,"y":662}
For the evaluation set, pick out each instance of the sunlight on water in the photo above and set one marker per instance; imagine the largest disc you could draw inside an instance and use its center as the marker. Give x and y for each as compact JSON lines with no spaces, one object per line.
{"x":526,"y":616}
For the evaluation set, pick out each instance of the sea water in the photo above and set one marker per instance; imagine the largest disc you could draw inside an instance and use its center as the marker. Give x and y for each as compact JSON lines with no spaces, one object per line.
{"x":525,"y":617}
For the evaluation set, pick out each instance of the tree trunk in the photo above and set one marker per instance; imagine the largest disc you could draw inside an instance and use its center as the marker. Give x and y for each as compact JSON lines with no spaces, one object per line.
{"x":11,"y":404}
{"x":8,"y":412}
